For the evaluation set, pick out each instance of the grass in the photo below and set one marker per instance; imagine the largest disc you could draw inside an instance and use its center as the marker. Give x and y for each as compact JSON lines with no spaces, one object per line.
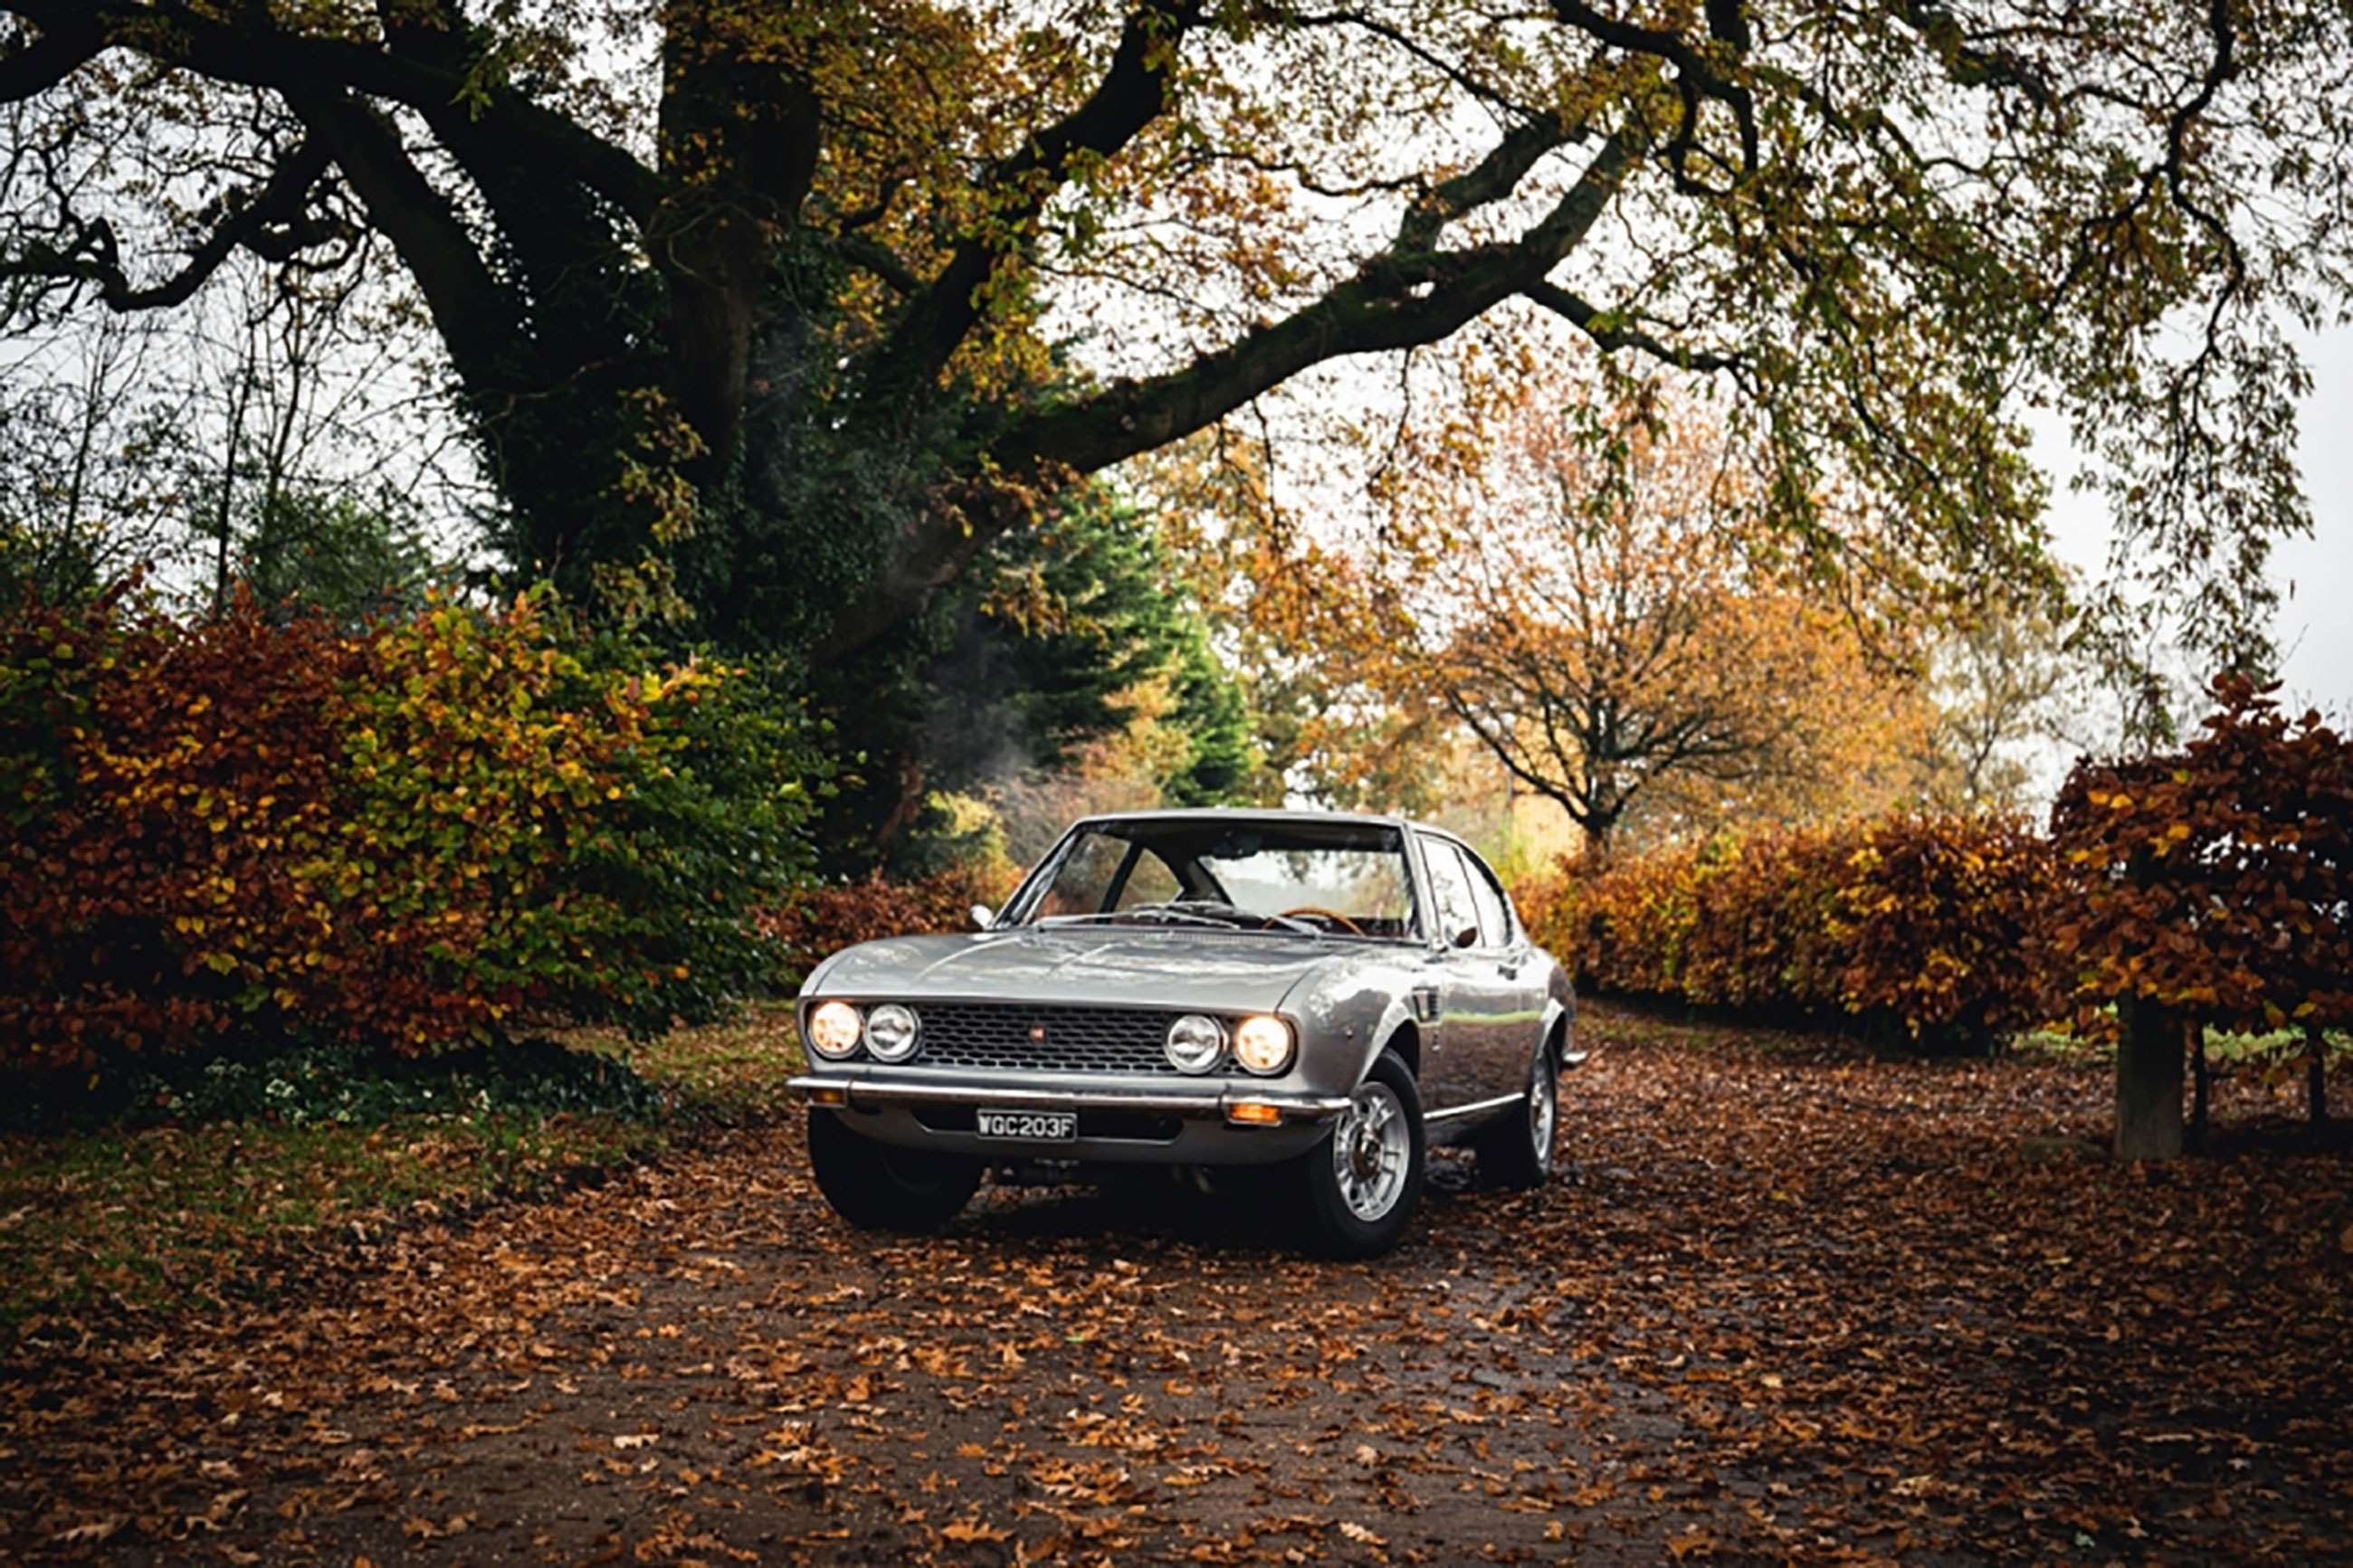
{"x":2224,"y":1048}
{"x":206,"y":1210}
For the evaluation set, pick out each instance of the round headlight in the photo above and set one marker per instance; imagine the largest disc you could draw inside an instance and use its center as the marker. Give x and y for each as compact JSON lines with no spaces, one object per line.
{"x":890,"y":1032}
{"x":1195,"y":1043}
{"x":834,"y":1028}
{"x":1263,"y":1044}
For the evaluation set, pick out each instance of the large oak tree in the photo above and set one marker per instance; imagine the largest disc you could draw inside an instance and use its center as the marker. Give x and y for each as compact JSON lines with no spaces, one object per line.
{"x":811,"y":301}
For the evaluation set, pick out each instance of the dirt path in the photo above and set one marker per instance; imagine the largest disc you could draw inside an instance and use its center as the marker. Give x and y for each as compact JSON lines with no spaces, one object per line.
{"x":1773,"y":1307}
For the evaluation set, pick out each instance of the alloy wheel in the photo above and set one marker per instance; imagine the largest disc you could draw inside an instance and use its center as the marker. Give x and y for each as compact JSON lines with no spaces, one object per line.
{"x":1371,"y":1147}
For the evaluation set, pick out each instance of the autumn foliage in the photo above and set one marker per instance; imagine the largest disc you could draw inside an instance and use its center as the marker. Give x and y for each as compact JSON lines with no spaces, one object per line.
{"x":816,"y":923}
{"x":424,"y":832}
{"x":2205,"y":888}
{"x":1913,"y":923}
{"x":2215,"y":881}
{"x":2211,"y":888}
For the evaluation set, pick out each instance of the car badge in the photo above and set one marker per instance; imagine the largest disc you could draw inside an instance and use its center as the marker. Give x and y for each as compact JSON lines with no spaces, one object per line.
{"x":1038,"y":1034}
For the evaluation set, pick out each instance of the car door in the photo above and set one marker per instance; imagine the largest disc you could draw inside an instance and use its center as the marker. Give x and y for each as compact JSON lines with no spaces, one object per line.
{"x":1519,"y":973}
{"x":1475,"y":994}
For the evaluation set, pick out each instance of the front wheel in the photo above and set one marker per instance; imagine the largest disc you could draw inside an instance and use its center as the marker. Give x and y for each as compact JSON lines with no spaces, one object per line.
{"x":880,"y":1186}
{"x":1363,"y":1184}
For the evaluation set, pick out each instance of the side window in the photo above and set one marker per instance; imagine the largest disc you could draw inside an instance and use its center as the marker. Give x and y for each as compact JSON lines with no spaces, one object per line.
{"x":1495,"y":909}
{"x":1451,"y":886}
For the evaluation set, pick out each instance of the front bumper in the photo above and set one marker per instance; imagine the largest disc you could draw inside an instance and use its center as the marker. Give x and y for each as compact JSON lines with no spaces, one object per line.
{"x":1140,"y":1122}
{"x":1217,"y":1103}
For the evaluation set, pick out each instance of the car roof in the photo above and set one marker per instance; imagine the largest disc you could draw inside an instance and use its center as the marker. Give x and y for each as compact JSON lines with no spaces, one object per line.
{"x":1263,"y":814}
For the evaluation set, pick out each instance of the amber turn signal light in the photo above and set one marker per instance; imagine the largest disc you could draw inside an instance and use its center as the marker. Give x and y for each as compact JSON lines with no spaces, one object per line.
{"x":1254,"y":1114}
{"x":837,"y":1097}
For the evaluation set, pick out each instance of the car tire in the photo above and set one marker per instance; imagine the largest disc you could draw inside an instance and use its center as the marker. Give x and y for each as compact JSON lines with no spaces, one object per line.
{"x":1516,"y":1152}
{"x":880,"y":1186}
{"x":1360,"y":1186}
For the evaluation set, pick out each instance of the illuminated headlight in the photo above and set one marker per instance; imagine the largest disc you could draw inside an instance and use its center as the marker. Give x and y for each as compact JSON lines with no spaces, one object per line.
{"x":890,"y":1032}
{"x":1263,"y":1044}
{"x":834,"y":1028}
{"x":1195,"y":1043}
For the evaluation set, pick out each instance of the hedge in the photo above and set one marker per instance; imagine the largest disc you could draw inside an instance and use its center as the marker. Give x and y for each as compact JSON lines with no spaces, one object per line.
{"x":445,"y":828}
{"x":816,"y":923}
{"x":1914,"y":923}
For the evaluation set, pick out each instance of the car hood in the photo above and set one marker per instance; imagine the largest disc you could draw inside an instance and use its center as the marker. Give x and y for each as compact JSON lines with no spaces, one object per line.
{"x":1208,"y":971}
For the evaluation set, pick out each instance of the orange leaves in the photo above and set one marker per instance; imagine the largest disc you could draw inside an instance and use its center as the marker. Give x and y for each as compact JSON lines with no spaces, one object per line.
{"x":818,"y":921}
{"x":2214,"y":880}
{"x":1915,"y":922}
{"x":422,"y":832}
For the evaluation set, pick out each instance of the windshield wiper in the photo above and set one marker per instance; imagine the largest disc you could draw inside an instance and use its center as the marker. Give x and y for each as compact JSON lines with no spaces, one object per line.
{"x":1141,"y":911}
{"x":1189,"y":905}
{"x":1198,"y":911}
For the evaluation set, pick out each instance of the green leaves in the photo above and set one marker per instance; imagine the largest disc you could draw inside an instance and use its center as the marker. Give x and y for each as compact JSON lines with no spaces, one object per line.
{"x":429,"y":831}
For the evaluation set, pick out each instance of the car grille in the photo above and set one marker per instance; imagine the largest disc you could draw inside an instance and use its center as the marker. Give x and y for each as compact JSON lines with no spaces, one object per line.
{"x":1077,"y":1039}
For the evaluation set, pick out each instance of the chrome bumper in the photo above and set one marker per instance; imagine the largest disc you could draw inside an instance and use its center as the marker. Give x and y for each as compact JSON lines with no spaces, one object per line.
{"x":864,"y":1093}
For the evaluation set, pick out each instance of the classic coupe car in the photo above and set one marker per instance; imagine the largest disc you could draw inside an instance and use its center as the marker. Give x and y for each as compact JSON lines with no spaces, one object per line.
{"x":1317,"y":995}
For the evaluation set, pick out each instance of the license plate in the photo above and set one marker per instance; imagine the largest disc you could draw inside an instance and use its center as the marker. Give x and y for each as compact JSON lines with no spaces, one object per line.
{"x":1050,"y":1126}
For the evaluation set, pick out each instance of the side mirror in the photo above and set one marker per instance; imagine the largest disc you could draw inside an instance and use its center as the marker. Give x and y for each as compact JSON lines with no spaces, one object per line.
{"x":1467,"y":937}
{"x":982,"y":916}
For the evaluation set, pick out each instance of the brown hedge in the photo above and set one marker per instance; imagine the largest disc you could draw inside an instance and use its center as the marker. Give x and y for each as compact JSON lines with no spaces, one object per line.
{"x":817,"y":921}
{"x":1918,"y":923}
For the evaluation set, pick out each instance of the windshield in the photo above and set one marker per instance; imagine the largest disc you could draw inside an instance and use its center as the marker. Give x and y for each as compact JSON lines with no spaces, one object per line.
{"x":1344,"y":879}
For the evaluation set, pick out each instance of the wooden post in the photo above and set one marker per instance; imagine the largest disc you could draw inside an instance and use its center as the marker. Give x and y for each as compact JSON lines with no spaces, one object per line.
{"x":2315,"y":1075}
{"x":2148,"y":1082}
{"x":2193,"y":1041}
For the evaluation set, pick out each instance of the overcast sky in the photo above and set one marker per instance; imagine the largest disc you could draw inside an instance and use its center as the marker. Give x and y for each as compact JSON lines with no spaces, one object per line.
{"x":2315,"y":575}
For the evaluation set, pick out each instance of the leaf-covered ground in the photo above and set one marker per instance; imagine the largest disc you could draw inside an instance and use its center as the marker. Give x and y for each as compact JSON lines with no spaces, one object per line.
{"x":1780,"y":1303}
{"x":203,"y":1212}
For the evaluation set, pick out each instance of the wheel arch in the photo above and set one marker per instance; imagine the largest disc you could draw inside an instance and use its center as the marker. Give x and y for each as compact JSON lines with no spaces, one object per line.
{"x":1397,"y":1031}
{"x":1557,"y":1018}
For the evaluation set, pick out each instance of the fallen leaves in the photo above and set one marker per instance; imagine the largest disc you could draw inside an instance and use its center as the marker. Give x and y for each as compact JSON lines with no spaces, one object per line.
{"x":1781,"y":1304}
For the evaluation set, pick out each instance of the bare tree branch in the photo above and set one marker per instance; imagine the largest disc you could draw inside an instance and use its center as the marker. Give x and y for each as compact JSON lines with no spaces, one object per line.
{"x":1613,"y":332}
{"x":259,"y":55}
{"x":93,"y":256}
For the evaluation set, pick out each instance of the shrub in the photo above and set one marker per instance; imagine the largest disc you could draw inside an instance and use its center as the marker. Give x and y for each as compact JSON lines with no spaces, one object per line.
{"x":2214,"y":882}
{"x":818,"y":921}
{"x":436,"y":830}
{"x":1913,"y":923}
{"x":1935,"y":924}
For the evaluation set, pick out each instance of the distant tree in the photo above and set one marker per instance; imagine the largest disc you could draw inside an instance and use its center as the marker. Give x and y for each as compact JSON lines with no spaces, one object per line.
{"x":336,"y":555}
{"x":1223,"y":764}
{"x":1589,"y":601}
{"x":1067,"y":635}
{"x":2002,"y":683}
{"x":93,"y":430}
{"x":1621,"y":650}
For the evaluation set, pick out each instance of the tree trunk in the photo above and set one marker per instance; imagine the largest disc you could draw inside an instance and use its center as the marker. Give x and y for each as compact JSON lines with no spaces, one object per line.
{"x":2315,"y":1076}
{"x":2148,"y":1083}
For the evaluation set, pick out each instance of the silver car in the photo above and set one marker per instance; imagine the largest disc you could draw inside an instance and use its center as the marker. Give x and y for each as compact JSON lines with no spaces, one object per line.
{"x":1314,"y":996}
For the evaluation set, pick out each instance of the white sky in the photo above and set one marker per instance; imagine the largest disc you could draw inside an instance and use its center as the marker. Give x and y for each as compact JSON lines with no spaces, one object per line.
{"x":2315,"y":575}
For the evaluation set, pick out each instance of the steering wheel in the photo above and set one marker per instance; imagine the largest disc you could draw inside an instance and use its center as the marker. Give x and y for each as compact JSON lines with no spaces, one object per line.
{"x":1351,"y":927}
